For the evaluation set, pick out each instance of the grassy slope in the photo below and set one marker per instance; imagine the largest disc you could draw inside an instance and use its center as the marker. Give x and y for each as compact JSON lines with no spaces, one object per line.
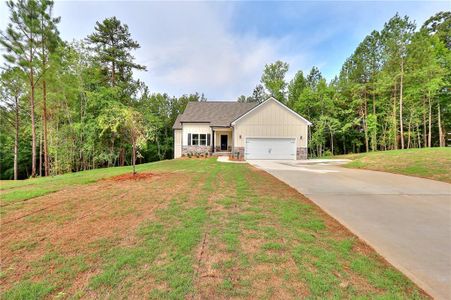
{"x":432,"y":163}
{"x":201,"y":229}
{"x":12,"y":191}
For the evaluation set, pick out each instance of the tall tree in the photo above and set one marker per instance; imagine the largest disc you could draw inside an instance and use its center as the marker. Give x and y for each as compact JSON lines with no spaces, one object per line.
{"x":396,"y":36}
{"x":49,"y":42}
{"x":273,"y":79}
{"x":258,"y":94}
{"x":113,"y":44}
{"x":295,"y":88}
{"x":314,"y":77}
{"x":21,"y":41}
{"x":244,"y":99}
{"x":12,"y":88}
{"x":440,"y":26}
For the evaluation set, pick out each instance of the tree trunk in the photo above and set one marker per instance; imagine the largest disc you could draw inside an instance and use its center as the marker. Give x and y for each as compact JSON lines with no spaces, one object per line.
{"x":113,"y":74}
{"x":430,"y":122}
{"x":134,"y":155}
{"x":409,"y":131}
{"x":374,"y":102}
{"x":440,"y":129}
{"x":365,"y":125}
{"x":367,"y":149}
{"x":418,"y":135}
{"x":332,"y":143}
{"x":16,"y":138}
{"x":55,"y":168}
{"x":401,"y":128}
{"x":395,"y":122}
{"x":40,"y":150}
{"x":44,"y":118}
{"x":33,"y":123}
{"x":424,"y":125}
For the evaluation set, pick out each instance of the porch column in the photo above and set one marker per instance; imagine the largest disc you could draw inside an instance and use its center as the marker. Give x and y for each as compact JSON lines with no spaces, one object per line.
{"x":213,"y":140}
{"x":233,"y":141}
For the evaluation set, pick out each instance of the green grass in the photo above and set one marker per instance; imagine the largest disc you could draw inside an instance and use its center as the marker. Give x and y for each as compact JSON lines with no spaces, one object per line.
{"x":13,"y":191}
{"x":432,"y":163}
{"x":230,"y":232}
{"x":28,"y":290}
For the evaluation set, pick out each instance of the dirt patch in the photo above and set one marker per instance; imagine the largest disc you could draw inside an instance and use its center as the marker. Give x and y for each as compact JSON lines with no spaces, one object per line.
{"x":75,"y":218}
{"x":131,"y":176}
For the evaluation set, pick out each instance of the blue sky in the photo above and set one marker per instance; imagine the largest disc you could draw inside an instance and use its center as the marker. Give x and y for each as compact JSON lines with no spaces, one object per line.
{"x":220,"y":48}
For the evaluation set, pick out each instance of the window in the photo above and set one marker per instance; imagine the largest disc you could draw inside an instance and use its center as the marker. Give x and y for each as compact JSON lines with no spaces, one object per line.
{"x":195,"y":139}
{"x":199,"y":139}
{"x":202,"y":139}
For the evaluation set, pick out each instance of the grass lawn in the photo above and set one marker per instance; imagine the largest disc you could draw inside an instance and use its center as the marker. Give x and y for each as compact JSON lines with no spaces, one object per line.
{"x":191,"y":228}
{"x":432,"y":163}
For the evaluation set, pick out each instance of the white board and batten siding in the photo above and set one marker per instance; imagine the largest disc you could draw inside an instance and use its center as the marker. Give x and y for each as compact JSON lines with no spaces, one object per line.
{"x":177,"y":143}
{"x":272,"y":127}
{"x":193,"y":128}
{"x":181,"y":135}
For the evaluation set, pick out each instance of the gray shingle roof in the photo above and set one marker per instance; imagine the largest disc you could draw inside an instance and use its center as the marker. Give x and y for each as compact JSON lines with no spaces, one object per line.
{"x":216,"y":113}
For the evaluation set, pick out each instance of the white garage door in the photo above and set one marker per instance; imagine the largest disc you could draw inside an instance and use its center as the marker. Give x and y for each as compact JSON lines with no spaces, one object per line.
{"x":270,"y":148}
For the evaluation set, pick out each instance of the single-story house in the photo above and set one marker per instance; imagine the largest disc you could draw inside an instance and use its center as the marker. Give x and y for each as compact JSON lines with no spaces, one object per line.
{"x":269,"y":130}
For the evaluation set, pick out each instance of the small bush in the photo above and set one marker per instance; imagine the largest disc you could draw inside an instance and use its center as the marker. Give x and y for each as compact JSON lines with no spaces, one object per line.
{"x":327,"y":153}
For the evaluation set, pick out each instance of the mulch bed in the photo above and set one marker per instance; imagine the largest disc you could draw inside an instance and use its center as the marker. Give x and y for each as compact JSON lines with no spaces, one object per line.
{"x":131,"y":176}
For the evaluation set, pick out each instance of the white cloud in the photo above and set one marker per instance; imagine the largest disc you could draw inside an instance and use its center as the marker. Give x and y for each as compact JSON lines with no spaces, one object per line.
{"x":195,"y":46}
{"x":202,"y":54}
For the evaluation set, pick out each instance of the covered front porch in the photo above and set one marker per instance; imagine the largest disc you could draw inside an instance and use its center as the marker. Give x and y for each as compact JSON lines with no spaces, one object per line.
{"x":222,"y":140}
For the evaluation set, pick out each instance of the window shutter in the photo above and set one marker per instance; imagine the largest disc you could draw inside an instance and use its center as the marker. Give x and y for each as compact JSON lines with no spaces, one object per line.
{"x":189,"y":139}
{"x":208,"y":139}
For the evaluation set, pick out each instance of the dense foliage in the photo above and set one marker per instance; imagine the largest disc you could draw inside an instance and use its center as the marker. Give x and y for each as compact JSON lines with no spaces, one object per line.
{"x":67,"y":107}
{"x":75,"y":106}
{"x":392,"y":92}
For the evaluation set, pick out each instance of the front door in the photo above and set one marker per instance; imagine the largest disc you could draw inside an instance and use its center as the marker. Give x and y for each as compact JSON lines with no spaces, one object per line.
{"x":224,"y":139}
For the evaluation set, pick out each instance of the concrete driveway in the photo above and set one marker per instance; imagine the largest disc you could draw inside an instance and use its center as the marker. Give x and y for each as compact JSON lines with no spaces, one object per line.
{"x":406,"y":219}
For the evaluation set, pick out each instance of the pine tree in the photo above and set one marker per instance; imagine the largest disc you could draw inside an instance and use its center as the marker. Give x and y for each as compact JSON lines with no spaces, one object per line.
{"x":273,"y":79}
{"x":396,"y":36}
{"x":113,"y":45}
{"x":21,"y":41}
{"x":49,"y":42}
{"x":12,"y":89}
{"x":295,"y":88}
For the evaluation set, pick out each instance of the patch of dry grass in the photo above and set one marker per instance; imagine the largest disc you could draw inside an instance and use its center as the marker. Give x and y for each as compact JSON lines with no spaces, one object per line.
{"x":191,"y":229}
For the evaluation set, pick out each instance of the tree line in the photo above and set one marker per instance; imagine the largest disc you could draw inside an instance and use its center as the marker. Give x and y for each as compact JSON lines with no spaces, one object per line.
{"x":67,"y":107}
{"x":393,"y":92}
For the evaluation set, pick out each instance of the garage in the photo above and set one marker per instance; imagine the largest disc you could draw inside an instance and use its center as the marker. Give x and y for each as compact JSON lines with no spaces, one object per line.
{"x":270,"y":148}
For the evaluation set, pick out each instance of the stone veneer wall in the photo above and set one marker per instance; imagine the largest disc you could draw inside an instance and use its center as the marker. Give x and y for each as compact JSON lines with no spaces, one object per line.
{"x":239,"y":150}
{"x":196,"y":149}
{"x":301,"y":153}
{"x":218,"y":149}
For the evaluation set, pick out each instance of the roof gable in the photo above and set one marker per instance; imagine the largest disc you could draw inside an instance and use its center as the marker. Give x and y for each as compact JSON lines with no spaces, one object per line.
{"x":271,"y":99}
